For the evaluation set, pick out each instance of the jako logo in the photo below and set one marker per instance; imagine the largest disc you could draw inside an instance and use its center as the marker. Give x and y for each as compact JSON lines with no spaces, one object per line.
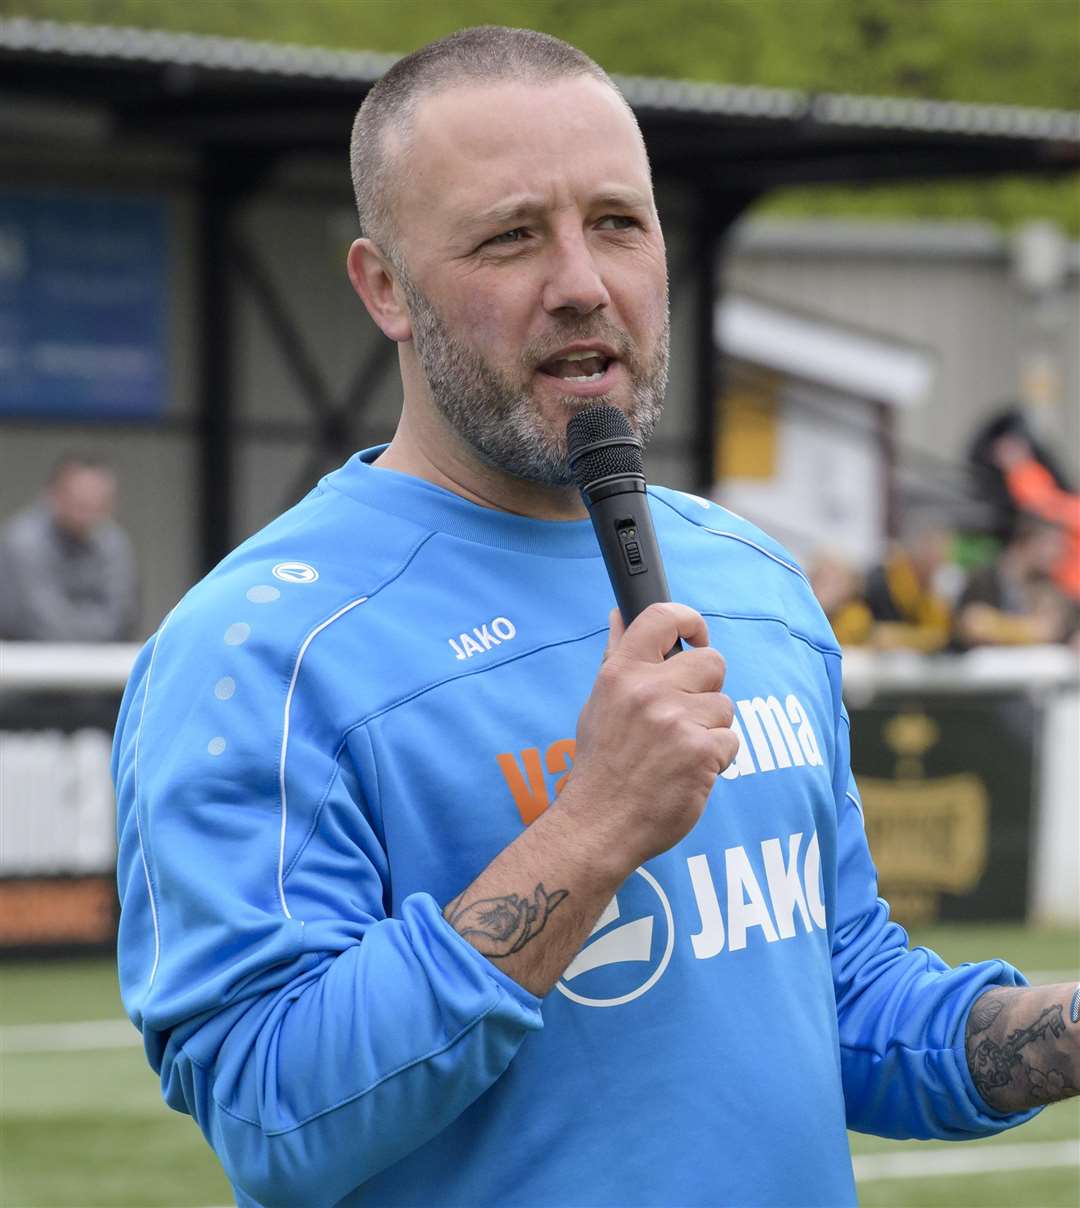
{"x":295,"y":572}
{"x":790,"y":889}
{"x":618,"y":964}
{"x":482,"y":638}
{"x":745,"y":896}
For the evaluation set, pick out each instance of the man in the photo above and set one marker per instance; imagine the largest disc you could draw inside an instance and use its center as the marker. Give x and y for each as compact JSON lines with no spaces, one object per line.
{"x":908,"y":610}
{"x":356,"y":916}
{"x":69,"y":573}
{"x":1014,"y":601}
{"x":1033,"y":489}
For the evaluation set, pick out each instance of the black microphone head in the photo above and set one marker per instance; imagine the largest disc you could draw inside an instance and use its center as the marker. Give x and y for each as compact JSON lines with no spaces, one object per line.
{"x":600,"y":444}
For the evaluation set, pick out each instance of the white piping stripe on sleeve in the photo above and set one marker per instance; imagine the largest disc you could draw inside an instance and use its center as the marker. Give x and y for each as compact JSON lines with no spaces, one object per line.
{"x":138,"y":821}
{"x":285,"y":743}
{"x":760,"y":548}
{"x":855,"y":802}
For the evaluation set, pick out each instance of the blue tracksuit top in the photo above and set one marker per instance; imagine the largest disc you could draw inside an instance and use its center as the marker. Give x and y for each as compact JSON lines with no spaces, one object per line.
{"x":335,"y":731}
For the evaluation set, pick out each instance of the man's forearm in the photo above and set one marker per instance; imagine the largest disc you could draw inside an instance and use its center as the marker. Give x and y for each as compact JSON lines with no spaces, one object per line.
{"x":1023,"y":1046}
{"x":532,"y":908}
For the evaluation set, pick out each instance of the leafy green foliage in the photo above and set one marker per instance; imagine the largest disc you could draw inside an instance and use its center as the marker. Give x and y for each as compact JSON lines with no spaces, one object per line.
{"x":1019,"y":52}
{"x":1002,"y":51}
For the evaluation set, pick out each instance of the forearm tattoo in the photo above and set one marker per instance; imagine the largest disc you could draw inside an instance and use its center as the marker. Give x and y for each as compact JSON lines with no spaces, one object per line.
{"x":1020,"y":1049}
{"x":501,"y":926}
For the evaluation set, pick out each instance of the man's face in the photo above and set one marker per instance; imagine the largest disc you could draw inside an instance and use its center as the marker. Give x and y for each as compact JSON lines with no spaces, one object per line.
{"x":81,"y":499}
{"x":536,"y":278}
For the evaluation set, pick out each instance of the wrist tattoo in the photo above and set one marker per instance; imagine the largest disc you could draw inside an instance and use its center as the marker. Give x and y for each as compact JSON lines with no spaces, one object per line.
{"x":1018,"y":1067}
{"x":502,"y":926}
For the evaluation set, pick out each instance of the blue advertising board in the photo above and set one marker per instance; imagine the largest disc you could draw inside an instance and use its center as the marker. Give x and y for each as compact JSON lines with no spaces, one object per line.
{"x":83,"y":295}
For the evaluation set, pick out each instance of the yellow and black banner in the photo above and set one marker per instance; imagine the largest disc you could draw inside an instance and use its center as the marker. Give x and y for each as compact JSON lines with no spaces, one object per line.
{"x":947,"y":786}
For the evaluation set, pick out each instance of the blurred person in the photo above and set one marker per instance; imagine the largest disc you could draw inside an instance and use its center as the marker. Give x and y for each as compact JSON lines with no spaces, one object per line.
{"x":909,"y":608}
{"x":68,"y":568}
{"x":439,"y":884}
{"x":839,"y":590}
{"x":1014,"y":601}
{"x":989,"y":479}
{"x":1033,"y":488}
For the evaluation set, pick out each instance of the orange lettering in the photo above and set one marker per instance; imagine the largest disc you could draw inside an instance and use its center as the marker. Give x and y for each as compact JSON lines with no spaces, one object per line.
{"x":531,"y":799}
{"x":560,"y":758}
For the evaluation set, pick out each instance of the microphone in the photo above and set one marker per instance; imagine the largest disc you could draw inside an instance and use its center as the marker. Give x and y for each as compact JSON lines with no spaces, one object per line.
{"x":606,"y":461}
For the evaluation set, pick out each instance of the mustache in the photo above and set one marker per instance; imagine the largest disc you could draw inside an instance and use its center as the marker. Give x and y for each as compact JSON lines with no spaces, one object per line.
{"x":536,"y":352}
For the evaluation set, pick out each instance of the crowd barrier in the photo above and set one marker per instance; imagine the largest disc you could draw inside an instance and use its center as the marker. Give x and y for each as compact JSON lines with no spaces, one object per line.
{"x":968,"y":767}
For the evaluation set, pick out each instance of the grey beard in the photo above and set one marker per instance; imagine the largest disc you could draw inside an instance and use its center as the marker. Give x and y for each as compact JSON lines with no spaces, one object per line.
{"x":499,"y":421}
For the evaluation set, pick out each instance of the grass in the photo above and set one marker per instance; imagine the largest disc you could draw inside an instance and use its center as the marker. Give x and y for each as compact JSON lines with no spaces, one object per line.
{"x":89,"y":1129}
{"x":1049,"y":949}
{"x":1059,"y":1188}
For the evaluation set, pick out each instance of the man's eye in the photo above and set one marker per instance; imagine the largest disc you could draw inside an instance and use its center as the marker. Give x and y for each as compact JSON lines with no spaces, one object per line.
{"x":623,"y":221}
{"x":514,"y":236}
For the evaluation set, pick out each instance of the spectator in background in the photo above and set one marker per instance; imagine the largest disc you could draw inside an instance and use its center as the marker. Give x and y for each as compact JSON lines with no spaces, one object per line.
{"x":1014,"y":601}
{"x":1033,"y":488}
{"x":839,"y":592}
{"x":68,"y":569}
{"x":903,"y":593}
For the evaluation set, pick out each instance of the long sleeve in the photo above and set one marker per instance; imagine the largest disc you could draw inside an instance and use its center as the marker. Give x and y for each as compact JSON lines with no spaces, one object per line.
{"x":901,"y":1012}
{"x":314,"y":1038}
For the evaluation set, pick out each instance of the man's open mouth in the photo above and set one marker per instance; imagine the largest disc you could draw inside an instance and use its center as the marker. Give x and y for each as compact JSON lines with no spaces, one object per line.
{"x":586,"y":366}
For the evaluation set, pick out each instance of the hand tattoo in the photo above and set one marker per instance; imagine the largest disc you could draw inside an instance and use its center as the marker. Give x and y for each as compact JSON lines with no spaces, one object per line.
{"x":501,"y":926}
{"x":1018,"y":1051}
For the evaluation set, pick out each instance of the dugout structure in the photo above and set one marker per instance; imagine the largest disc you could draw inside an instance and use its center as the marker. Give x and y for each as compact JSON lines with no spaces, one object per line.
{"x":247,"y":142}
{"x":237,"y":153}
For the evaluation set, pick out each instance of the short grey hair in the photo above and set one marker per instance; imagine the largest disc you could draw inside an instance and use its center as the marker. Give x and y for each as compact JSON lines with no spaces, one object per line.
{"x":483,"y":54}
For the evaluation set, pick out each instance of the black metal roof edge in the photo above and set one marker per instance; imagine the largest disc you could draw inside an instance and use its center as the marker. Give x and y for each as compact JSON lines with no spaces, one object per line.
{"x":688,"y":96}
{"x":190,"y":50}
{"x":674,"y":96}
{"x":953,"y":117}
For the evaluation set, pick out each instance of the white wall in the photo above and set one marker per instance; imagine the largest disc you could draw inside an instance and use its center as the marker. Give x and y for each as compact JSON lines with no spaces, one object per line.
{"x":947,"y":286}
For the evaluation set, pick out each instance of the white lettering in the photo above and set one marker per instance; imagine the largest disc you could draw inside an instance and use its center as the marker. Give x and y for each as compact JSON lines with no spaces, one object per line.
{"x":482,"y":638}
{"x":812,"y":881}
{"x":745,"y":902}
{"x":470,"y":646}
{"x":504,"y":628}
{"x":785,"y":889}
{"x":485,"y":638}
{"x":747,"y":905}
{"x":57,"y":809}
{"x":709,"y":941}
{"x":743,"y":763}
{"x":807,"y":738}
{"x":770,"y":733}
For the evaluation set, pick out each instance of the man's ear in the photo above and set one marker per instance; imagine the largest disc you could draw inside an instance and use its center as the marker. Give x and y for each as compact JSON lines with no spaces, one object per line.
{"x":372,"y":277}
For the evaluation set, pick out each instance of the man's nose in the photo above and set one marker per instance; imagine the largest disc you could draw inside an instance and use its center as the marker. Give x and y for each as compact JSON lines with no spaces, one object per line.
{"x":574,"y":281}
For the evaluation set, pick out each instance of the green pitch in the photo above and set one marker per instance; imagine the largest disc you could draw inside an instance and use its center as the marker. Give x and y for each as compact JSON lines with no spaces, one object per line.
{"x":85,"y":1126}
